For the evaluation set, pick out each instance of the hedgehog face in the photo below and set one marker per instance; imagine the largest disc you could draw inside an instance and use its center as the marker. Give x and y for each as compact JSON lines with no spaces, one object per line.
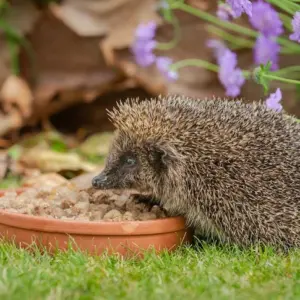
{"x":132,"y":166}
{"x":120,"y":172}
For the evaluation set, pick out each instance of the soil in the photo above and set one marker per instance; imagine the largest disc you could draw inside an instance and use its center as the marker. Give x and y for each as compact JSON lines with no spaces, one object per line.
{"x":67,"y":202}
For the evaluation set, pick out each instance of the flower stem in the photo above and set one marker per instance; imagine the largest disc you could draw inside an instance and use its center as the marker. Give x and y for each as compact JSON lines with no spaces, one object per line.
{"x":194,"y":62}
{"x":239,"y":42}
{"x":282,"y":79}
{"x":230,"y":26}
{"x":287,"y":70}
{"x":282,"y":5}
{"x":234,"y":40}
{"x":177,"y":34}
{"x":286,"y":5}
{"x":212,"y":19}
{"x":286,"y":20}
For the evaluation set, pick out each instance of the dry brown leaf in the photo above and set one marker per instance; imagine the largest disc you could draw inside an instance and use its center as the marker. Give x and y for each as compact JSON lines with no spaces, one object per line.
{"x":48,"y":161}
{"x":116,"y":20}
{"x":15,"y":93}
{"x":9,"y":122}
{"x":99,"y":18}
{"x":21,"y":17}
{"x":70,"y":70}
{"x":18,"y":169}
{"x":97,"y":144}
{"x":45,"y":180}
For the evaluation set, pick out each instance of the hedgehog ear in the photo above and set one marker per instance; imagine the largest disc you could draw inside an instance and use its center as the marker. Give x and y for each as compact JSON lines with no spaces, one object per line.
{"x":164,"y":156}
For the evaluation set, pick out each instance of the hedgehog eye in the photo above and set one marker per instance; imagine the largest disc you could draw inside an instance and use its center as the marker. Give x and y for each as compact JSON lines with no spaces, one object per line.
{"x":130,"y":161}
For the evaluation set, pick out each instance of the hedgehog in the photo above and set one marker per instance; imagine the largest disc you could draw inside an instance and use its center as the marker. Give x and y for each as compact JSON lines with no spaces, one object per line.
{"x":231,"y":169}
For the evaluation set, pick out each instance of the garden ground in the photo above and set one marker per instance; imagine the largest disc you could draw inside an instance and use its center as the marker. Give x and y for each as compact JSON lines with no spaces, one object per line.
{"x":209,"y":272}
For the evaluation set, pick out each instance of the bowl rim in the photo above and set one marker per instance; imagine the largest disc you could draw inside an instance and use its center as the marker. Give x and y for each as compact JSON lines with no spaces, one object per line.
{"x":44,"y":224}
{"x":123,"y":228}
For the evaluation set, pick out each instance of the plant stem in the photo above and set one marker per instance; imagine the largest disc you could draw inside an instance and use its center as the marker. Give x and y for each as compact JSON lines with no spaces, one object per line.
{"x":286,"y":20}
{"x":239,"y":41}
{"x":292,"y":6}
{"x":287,"y":70}
{"x":212,"y":19}
{"x":176,"y":38}
{"x":230,"y":26}
{"x":194,"y":62}
{"x":284,"y":6}
{"x":282,"y":79}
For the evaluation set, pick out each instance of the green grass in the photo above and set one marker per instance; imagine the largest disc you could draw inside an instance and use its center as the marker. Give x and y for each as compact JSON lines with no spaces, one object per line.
{"x":208,"y":273}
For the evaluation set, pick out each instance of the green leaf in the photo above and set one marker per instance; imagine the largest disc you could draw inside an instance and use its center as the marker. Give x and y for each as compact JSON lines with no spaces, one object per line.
{"x":258,"y":76}
{"x":58,"y":146}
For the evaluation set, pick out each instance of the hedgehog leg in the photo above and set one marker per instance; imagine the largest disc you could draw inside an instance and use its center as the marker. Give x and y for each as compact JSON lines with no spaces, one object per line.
{"x":145,"y":199}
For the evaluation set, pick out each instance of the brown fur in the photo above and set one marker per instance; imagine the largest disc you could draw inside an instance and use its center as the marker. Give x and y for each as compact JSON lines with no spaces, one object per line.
{"x":232,"y":169}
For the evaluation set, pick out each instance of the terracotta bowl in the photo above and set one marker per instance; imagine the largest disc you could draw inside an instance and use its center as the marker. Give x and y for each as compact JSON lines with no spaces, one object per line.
{"x":126,"y":238}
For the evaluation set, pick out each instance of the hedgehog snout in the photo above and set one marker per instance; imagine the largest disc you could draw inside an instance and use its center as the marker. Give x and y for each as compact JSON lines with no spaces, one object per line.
{"x":99,"y":181}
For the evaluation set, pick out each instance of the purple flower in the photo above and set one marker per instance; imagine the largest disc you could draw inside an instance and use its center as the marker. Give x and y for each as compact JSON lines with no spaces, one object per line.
{"x":144,"y":44}
{"x":230,"y":76}
{"x":265,"y":19}
{"x":266,"y":50}
{"x":143,"y":52}
{"x":218,"y":48}
{"x":146,"y":32}
{"x":240,"y":6}
{"x":296,"y":27}
{"x":273,"y":102}
{"x":224,"y":12}
{"x":163,"y":65}
{"x":228,"y":60}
